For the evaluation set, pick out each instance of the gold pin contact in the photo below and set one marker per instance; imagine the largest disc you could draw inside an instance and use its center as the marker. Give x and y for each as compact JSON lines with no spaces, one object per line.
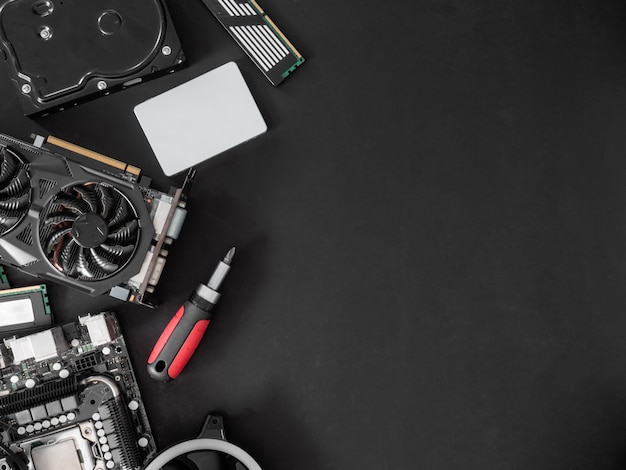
{"x":93,"y":155}
{"x":17,"y":290}
{"x":280,"y":33}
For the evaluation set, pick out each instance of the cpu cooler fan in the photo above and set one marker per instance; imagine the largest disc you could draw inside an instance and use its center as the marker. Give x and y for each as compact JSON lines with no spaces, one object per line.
{"x":97,"y":230}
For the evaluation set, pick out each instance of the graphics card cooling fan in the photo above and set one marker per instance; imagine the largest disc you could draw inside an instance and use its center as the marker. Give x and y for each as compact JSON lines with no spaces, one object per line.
{"x":95,"y":230}
{"x":14,"y":190}
{"x":90,"y":231}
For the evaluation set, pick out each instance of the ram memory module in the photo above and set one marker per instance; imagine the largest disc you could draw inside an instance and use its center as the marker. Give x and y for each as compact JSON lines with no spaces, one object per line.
{"x":258,"y":36}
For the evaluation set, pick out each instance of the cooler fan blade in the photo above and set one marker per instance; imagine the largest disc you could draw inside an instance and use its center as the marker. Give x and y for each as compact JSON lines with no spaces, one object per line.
{"x":119,"y":251}
{"x":89,"y":197}
{"x":16,"y":185}
{"x":69,"y":254}
{"x":17,"y":203}
{"x":125,"y":233}
{"x":59,"y":218}
{"x":72,"y":204}
{"x":107,"y":201}
{"x":121,"y":215}
{"x":87,"y":268}
{"x":14,"y":189}
{"x":83,"y":265}
{"x":8,"y":167}
{"x":56,"y":238}
{"x":102,"y":262}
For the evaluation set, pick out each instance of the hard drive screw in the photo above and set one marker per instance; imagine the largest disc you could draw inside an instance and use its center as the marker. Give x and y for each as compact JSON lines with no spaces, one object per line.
{"x":26,"y":88}
{"x":45,"y":32}
{"x":167,"y":50}
{"x":101,"y":85}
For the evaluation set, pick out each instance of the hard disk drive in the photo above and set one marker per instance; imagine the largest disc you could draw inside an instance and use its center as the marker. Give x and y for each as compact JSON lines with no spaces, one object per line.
{"x":62,"y":52}
{"x":96,"y":230}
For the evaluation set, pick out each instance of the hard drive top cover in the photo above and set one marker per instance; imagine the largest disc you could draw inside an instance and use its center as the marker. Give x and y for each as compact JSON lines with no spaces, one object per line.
{"x":98,"y":38}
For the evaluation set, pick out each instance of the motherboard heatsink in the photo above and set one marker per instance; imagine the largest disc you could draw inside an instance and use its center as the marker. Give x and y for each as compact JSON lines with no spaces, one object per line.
{"x":97,"y":230}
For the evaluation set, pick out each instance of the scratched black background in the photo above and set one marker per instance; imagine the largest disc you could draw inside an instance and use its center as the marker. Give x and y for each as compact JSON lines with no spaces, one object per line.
{"x":431,"y":238}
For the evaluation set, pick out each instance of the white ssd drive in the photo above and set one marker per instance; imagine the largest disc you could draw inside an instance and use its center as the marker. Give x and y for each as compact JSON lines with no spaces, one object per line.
{"x":200,"y":118}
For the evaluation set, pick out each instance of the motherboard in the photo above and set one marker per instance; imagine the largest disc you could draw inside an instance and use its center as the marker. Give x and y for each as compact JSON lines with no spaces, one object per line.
{"x":69,"y":400}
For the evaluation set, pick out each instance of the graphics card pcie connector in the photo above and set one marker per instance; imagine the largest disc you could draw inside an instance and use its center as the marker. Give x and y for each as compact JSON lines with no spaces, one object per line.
{"x":131,"y":171}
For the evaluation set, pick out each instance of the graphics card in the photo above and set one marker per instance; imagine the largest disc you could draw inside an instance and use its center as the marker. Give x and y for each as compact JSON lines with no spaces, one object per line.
{"x":96,"y":230}
{"x":61,"y":52}
{"x":69,"y":400}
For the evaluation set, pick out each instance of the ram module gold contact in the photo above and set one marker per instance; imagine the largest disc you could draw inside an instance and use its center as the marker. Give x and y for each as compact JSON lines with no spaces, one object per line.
{"x":258,"y":36}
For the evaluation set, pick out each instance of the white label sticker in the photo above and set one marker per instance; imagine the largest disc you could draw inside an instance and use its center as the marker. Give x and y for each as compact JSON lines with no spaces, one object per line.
{"x":16,"y":312}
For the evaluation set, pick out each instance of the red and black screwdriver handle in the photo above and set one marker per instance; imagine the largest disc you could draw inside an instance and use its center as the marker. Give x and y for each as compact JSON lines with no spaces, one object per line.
{"x":180,"y":338}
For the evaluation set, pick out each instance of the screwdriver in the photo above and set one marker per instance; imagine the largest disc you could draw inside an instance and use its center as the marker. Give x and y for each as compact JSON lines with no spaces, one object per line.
{"x":183,"y":333}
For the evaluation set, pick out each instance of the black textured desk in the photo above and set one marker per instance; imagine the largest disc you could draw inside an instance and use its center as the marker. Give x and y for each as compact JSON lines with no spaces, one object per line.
{"x":430,"y":238}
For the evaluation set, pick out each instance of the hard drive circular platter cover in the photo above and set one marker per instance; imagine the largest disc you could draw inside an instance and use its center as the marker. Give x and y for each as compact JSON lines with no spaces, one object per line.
{"x":64,"y":50}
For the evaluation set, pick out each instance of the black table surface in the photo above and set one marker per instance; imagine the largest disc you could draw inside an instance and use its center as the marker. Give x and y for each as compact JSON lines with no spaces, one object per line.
{"x":431,"y":253}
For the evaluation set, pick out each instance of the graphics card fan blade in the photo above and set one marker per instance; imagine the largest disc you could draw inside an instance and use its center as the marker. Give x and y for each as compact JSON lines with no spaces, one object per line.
{"x":56,"y":238}
{"x":122,"y":214}
{"x":16,"y":185}
{"x":102,"y":262}
{"x":69,"y":254}
{"x":59,"y":218}
{"x":89,"y":197}
{"x":107,"y":201}
{"x":18,"y":203}
{"x":9,"y":165}
{"x":88,"y":267}
{"x":15,"y":190}
{"x":120,"y":251}
{"x":124,"y":234}
{"x":83,"y":265}
{"x":72,"y":204}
